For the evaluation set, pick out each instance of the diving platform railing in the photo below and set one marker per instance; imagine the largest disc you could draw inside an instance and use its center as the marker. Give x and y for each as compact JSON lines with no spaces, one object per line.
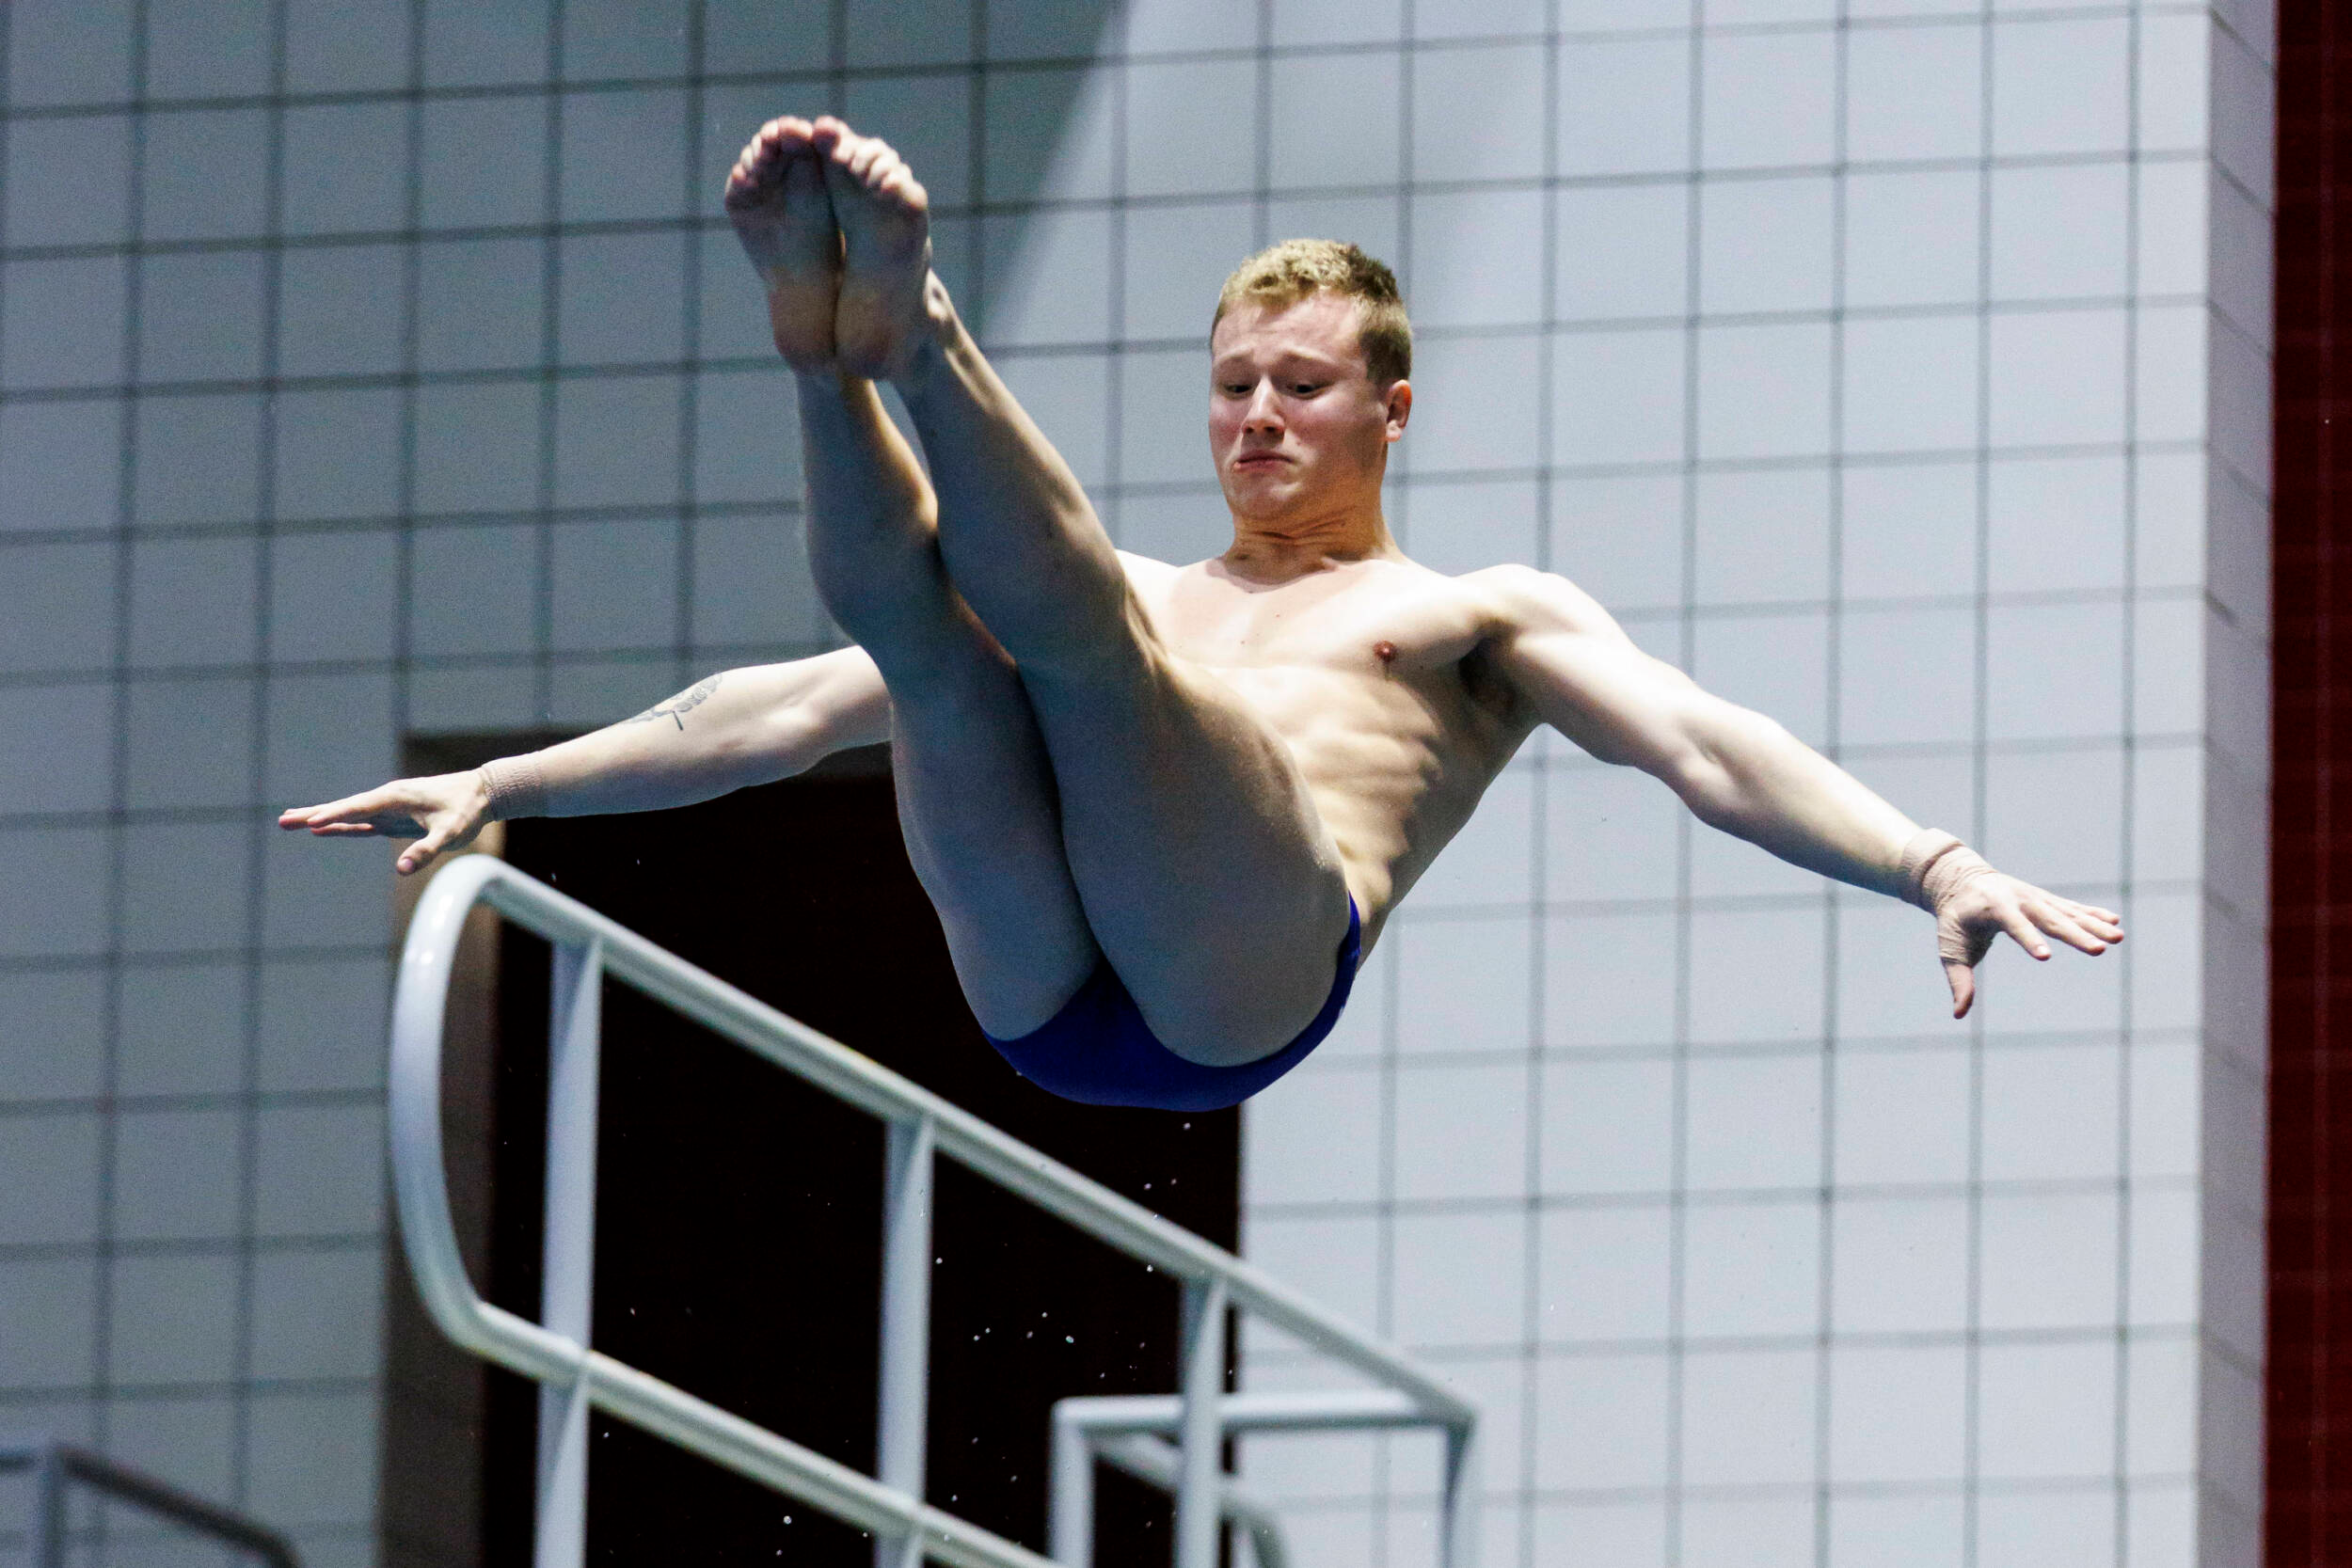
{"x":57,"y":1467}
{"x":1130,"y":1434}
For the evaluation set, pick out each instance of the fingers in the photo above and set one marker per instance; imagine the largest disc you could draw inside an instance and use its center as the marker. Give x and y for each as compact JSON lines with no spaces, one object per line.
{"x":2013,"y":920}
{"x":1962,"y":980}
{"x":1999,"y":905}
{"x":2053,"y":918}
{"x":386,"y":809}
{"x":294,"y":821}
{"x":349,"y":809}
{"x":2103,"y":923}
{"x":422,"y":853}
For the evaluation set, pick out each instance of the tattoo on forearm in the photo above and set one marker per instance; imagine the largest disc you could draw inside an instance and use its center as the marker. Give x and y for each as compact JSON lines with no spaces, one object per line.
{"x":678,"y":708}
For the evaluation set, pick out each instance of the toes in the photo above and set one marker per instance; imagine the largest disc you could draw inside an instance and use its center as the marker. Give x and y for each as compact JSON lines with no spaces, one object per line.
{"x":770,"y":147}
{"x":804,"y":176}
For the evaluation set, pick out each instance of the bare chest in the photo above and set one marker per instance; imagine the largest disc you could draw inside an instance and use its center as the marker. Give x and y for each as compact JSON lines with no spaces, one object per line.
{"x":1374,"y":620}
{"x":1372,"y":671}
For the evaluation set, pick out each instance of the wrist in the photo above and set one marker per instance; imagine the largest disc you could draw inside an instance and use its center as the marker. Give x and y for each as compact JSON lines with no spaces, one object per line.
{"x":1920,"y":854}
{"x":1936,"y":865}
{"x":512,"y":787}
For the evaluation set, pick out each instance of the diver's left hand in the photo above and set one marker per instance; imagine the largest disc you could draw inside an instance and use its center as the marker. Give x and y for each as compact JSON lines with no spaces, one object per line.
{"x":1974,"y":904}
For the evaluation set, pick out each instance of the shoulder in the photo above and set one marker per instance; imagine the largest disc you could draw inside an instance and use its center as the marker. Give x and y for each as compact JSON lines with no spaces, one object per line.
{"x":1142,"y":569}
{"x":1522,"y":599}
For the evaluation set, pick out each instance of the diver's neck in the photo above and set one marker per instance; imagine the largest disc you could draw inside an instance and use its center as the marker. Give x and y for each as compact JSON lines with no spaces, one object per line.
{"x":1272,"y":549}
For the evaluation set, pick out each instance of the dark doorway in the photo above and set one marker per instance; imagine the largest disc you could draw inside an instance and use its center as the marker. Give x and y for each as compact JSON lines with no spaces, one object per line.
{"x":739,"y":1216}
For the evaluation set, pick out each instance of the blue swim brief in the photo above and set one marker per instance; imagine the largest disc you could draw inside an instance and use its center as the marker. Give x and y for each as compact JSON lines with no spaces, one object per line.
{"x":1098,"y":1049}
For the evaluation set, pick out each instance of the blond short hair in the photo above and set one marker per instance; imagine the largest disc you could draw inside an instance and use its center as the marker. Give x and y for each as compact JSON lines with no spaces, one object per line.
{"x":1281,"y":275}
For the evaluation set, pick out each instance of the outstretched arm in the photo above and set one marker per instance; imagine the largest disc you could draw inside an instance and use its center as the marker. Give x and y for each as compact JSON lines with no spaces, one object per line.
{"x":1738,"y":771}
{"x":727,"y":731}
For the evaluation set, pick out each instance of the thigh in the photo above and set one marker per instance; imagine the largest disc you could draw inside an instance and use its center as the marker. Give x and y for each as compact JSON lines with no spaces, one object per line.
{"x":978,"y":807}
{"x":1206,"y":871}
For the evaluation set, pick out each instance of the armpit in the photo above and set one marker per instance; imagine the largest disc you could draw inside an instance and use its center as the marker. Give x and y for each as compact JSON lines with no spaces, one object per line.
{"x":1483,"y":681}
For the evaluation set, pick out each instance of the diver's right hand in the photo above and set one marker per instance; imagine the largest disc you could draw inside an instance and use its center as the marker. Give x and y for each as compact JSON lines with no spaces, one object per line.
{"x":441,"y":812}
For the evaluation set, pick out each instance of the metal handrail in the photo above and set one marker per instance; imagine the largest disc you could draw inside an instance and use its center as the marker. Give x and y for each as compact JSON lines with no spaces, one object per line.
{"x":1160,"y":1464}
{"x":54,"y":1463}
{"x":1128,"y":1431}
{"x":556,"y":1353}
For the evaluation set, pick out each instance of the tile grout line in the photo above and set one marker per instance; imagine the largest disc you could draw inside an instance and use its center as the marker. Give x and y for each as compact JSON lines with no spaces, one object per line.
{"x":1973,"y":1357}
{"x":689,"y":544}
{"x":2128,"y":805}
{"x":243,"y":1349}
{"x":1685,"y":931}
{"x":547,"y":480}
{"x":1825,"y":1231}
{"x":1539,"y":823}
{"x":1400,"y":517}
{"x":411,"y":348}
{"x":118,"y":898}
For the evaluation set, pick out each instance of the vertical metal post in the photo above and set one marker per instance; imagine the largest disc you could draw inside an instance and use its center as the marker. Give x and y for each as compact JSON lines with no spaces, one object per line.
{"x":568,"y":1252}
{"x":49,"y":1534}
{"x":1459,"y":1503}
{"x":1200,"y":1518}
{"x":1070,"y":1516}
{"x":906,"y":1324}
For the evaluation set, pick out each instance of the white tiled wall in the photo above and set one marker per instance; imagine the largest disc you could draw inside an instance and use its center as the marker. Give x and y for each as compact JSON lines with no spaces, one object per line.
{"x":1898,"y":369}
{"x":1895,"y":369}
{"x":354,"y":382}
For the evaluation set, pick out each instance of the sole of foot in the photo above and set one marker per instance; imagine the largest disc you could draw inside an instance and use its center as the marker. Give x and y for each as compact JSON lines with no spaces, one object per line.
{"x":884,"y":217}
{"x":778,"y":198}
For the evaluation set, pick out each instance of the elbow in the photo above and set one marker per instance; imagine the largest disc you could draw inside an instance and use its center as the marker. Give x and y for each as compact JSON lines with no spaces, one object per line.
{"x":1715,"y":771}
{"x":1707,"y":787}
{"x":791,"y":741}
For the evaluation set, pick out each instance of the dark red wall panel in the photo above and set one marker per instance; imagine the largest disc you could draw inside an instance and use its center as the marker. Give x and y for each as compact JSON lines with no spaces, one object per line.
{"x":2309,"y":1505}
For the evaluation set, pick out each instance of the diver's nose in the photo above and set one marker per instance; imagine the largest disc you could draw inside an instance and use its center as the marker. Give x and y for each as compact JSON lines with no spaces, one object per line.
{"x":1265,"y":411}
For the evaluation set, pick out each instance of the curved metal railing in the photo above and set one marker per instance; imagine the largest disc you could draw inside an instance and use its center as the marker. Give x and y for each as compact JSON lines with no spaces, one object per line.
{"x":57,"y":1465}
{"x":557,"y":1354}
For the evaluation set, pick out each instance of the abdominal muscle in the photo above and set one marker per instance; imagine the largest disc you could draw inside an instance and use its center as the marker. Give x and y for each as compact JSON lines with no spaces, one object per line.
{"x":1360,"y":668}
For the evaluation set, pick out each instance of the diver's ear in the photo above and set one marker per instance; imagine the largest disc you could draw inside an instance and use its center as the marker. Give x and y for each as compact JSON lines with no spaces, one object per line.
{"x":1399,"y":407}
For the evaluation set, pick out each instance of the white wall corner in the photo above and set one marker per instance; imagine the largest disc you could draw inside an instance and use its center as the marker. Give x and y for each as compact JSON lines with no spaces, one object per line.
{"x":2236,"y":848}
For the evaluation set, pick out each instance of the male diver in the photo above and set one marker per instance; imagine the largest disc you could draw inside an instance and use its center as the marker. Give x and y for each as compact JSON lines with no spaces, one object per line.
{"x":1163,"y":810}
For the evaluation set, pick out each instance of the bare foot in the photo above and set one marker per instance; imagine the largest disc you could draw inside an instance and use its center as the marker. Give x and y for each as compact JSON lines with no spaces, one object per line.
{"x":776,"y":198}
{"x":885,"y":250}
